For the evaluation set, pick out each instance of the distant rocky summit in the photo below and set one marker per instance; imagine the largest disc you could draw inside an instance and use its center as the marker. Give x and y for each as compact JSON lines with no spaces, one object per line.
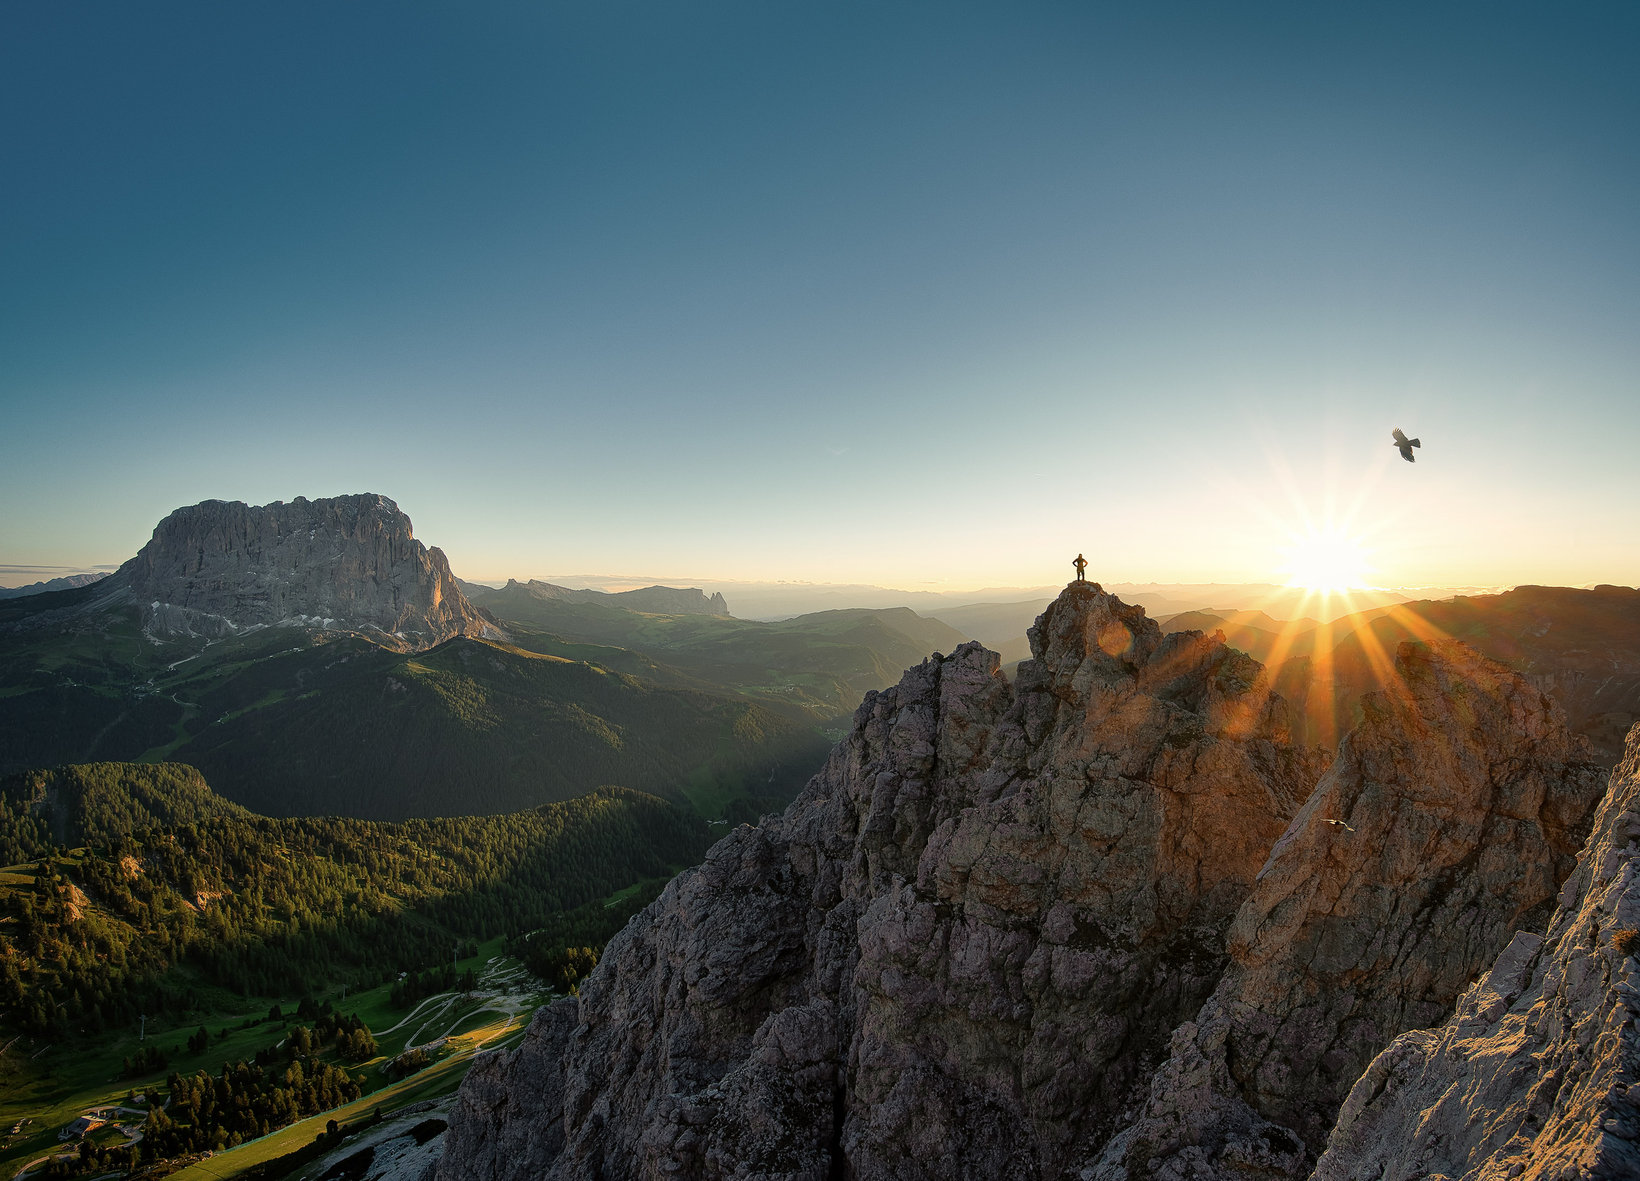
{"x":1097,"y":924}
{"x":651,"y":600}
{"x":345,"y":563}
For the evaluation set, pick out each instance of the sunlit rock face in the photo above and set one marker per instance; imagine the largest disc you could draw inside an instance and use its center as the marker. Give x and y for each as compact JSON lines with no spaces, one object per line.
{"x":344,"y":563}
{"x":1448,"y":822}
{"x":958,"y":953}
{"x":1537,"y":1074}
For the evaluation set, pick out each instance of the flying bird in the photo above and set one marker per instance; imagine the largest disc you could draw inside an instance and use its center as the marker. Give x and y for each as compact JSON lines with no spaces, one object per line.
{"x":1340,"y":823}
{"x":1405,"y":445}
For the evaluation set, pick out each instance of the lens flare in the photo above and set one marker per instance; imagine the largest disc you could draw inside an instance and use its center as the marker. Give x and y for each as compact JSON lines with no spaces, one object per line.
{"x":1327,"y":560}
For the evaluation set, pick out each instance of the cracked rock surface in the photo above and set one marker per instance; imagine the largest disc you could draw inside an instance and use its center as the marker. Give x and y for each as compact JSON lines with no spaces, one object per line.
{"x":1447,"y":823}
{"x":1094,"y":924}
{"x":1537,"y":1073}
{"x":957,"y":952}
{"x":346,"y":563}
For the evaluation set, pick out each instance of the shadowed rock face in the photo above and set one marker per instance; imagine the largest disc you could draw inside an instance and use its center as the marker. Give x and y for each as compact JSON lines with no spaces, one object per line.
{"x":958,"y":951}
{"x":346,"y":563}
{"x":1463,"y":798}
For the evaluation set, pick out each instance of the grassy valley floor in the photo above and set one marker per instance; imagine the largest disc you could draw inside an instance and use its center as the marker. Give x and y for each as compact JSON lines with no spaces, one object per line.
{"x":50,"y":1086}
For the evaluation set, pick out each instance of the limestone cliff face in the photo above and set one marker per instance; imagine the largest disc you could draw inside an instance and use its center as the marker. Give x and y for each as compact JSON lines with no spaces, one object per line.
{"x":346,"y":563}
{"x":956,"y":954}
{"x":1537,"y":1074}
{"x":1449,"y":820}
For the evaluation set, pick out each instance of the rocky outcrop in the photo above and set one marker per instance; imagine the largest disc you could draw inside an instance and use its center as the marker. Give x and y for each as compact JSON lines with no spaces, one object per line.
{"x":348,"y":563}
{"x":957,"y":954}
{"x":1452,"y":815}
{"x":1537,"y":1074}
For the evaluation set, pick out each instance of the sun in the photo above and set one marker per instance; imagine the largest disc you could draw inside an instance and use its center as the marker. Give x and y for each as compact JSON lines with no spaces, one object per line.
{"x":1327,"y":560}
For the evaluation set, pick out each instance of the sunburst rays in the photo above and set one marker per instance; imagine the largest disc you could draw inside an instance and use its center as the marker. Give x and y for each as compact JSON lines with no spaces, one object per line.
{"x":1326,"y":540}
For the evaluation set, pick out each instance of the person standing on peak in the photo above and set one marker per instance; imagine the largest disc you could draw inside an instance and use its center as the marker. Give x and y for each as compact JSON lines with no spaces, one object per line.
{"x":1081,"y":564}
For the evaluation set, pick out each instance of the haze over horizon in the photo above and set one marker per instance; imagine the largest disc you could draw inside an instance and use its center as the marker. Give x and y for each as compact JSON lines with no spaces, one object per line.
{"x":901,"y":295}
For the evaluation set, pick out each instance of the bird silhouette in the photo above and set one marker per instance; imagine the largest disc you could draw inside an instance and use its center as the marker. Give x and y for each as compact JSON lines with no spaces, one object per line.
{"x":1340,"y":823}
{"x":1405,"y":445}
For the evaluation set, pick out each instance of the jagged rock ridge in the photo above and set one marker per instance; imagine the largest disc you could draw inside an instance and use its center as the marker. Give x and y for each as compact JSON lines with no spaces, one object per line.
{"x":66,"y":582}
{"x":957,"y":952}
{"x":652,"y":600}
{"x":998,"y":911}
{"x":348,"y":563}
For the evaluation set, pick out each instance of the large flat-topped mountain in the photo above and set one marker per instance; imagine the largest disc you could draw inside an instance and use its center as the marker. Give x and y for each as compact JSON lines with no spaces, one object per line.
{"x":348,"y":563}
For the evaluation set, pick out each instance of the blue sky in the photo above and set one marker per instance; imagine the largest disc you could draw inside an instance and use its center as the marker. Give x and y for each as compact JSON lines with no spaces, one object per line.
{"x":926,"y":295}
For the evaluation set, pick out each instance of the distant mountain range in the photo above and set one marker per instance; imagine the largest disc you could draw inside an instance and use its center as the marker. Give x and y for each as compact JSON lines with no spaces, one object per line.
{"x":820,"y":663}
{"x":315,"y":658}
{"x":782,"y":600}
{"x":66,"y":582}
{"x":653,"y":600}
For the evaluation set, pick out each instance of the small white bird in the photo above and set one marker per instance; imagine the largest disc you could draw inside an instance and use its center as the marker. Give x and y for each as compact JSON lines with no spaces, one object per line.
{"x":1340,"y":824}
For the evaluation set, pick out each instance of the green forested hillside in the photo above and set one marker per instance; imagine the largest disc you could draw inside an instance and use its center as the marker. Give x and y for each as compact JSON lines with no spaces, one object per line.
{"x":96,"y":804}
{"x":473,"y":727}
{"x":822,"y":663}
{"x":174,"y":891}
{"x":288,"y":721}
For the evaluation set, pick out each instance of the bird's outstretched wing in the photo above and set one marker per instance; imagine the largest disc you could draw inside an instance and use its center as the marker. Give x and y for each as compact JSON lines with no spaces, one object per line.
{"x":1404,"y":445}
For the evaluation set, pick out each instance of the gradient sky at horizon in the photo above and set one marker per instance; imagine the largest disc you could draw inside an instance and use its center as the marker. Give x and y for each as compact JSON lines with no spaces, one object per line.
{"x":924,"y":295}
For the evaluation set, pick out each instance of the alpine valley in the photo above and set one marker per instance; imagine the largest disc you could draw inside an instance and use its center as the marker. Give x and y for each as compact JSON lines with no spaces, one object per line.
{"x":315,"y":658}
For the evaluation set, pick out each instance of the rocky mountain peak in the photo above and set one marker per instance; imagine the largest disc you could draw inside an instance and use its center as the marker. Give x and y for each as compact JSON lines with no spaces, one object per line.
{"x":957,"y":953}
{"x":1084,"y":623}
{"x":1447,"y":823}
{"x":348,"y":563}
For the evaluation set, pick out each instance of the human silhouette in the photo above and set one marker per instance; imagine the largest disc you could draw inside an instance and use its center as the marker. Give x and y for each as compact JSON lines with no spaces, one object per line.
{"x":1405,"y":445}
{"x":1081,"y":564}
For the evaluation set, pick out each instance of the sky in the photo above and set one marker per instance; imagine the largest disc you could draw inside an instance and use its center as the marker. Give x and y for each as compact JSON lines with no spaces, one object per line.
{"x":921,"y":295}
